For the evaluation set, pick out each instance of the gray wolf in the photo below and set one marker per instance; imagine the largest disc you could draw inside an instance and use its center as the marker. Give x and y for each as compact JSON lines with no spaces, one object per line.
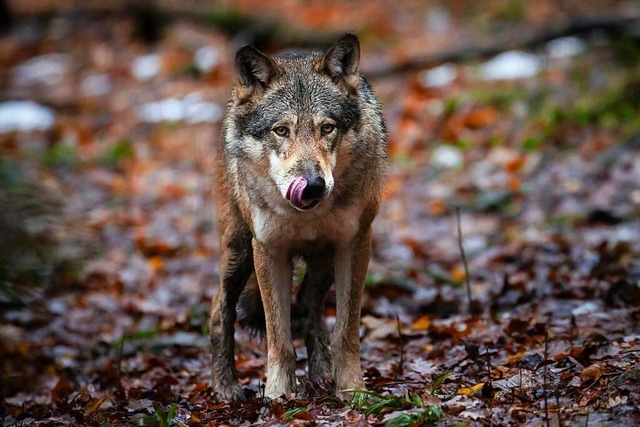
{"x":299,"y":174}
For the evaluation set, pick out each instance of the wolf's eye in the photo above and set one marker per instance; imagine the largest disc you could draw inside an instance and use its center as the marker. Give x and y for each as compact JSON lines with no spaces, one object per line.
{"x":327,"y":128}
{"x":282,"y":131}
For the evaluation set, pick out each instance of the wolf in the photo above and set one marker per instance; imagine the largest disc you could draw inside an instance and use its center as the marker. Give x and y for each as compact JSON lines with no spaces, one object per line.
{"x":300,"y":170}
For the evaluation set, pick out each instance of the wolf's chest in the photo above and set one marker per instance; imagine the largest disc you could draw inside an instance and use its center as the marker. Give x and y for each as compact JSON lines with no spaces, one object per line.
{"x":336,"y":226}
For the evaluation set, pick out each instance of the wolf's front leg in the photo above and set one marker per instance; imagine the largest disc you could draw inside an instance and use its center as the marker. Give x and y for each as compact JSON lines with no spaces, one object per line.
{"x":351,"y":263}
{"x":235,"y":268}
{"x":316,"y":283}
{"x":274,"y":271}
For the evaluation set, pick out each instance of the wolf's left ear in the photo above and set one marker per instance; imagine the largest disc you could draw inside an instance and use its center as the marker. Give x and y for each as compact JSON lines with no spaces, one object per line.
{"x":342,"y":59}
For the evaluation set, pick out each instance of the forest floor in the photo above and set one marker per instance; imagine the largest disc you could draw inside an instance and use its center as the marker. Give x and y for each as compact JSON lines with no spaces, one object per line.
{"x":109,"y":248}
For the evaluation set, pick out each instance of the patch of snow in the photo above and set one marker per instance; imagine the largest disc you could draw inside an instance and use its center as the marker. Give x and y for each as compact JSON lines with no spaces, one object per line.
{"x":46,"y":69}
{"x":96,"y":85}
{"x":475,"y":244}
{"x":146,"y":67}
{"x":439,"y":76}
{"x":190,"y":109}
{"x":206,"y":58}
{"x":514,"y":64}
{"x":588,"y":307}
{"x":446,"y":156}
{"x":565,"y":47}
{"x":197,"y":110}
{"x":25,"y":116}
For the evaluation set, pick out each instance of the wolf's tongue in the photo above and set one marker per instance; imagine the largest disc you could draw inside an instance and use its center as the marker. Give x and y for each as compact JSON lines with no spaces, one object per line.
{"x":294,"y":192}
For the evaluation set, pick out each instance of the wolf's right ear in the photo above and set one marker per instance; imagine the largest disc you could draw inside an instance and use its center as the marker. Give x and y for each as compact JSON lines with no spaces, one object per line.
{"x":254,"y":71}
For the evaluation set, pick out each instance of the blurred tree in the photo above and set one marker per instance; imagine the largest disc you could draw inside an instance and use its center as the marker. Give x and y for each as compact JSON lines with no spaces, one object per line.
{"x":149,"y":21}
{"x":6,"y":17}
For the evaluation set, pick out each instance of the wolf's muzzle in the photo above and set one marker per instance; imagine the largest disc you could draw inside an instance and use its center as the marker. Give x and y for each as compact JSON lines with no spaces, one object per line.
{"x":305,"y":193}
{"x":315,"y":189}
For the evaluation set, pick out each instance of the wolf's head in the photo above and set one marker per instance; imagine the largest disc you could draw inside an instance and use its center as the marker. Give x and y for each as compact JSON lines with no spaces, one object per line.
{"x":292,"y":114}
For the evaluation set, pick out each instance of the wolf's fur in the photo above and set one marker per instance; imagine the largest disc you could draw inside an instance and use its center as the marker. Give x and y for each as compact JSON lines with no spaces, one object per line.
{"x":298,"y":115}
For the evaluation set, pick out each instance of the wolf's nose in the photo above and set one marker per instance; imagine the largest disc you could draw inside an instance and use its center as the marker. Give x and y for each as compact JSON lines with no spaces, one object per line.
{"x":314,"y":189}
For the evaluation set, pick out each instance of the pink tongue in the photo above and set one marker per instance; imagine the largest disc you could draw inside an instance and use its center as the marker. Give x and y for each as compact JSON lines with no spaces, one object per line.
{"x":294,"y":192}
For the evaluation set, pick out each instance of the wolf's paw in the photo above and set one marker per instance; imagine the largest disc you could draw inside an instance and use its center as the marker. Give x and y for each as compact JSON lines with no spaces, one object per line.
{"x":320,"y":370}
{"x":309,"y":388}
{"x":280,"y":392}
{"x":281,"y":385}
{"x":348,"y":394}
{"x":345,"y":388}
{"x":232,"y":392}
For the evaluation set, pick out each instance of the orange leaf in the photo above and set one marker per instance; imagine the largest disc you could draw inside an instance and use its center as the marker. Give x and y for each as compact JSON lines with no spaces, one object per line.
{"x":468,"y":391}
{"x":514,"y":184}
{"x":453,"y":129}
{"x":515,"y":164}
{"x":421,"y":324}
{"x":480,"y":117}
{"x":156,"y":263}
{"x":173,"y":190}
{"x":392,"y":187}
{"x":515,"y":357}
{"x":437,"y":207}
{"x":458,"y":274}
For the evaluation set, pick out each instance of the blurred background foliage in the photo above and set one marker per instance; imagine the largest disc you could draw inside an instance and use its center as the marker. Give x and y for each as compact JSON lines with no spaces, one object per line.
{"x":99,"y":86}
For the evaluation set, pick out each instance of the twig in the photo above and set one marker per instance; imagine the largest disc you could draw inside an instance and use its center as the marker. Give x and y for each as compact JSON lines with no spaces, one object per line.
{"x":120,"y":388}
{"x":488,"y":364}
{"x":520,"y":381}
{"x":557,"y":396}
{"x":487,"y":390}
{"x":578,"y":25}
{"x":544,"y":376}
{"x":400,"y":371}
{"x":120,"y":349}
{"x":261,"y":390}
{"x":464,"y":261}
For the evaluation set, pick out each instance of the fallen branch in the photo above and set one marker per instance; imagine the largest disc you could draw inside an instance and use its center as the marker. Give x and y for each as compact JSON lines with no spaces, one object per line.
{"x":464,"y":262}
{"x":576,"y":26}
{"x":151,"y":17}
{"x":400,"y":371}
{"x":544,"y":375}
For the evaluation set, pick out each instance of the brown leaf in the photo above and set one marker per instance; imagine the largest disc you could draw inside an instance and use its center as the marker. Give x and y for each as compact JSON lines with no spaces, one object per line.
{"x":61,"y":391}
{"x":480,"y":117}
{"x":94,"y":405}
{"x":591,"y":373}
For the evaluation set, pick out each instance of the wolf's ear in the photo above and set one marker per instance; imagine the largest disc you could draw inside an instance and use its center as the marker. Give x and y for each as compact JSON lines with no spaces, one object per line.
{"x":341,"y":60}
{"x":254,"y":71}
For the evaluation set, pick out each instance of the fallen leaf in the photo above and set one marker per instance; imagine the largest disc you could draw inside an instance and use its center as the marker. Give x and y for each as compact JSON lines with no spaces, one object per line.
{"x":591,"y":373}
{"x":468,"y":391}
{"x":480,"y":117}
{"x":515,"y":357}
{"x":422,"y":323}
